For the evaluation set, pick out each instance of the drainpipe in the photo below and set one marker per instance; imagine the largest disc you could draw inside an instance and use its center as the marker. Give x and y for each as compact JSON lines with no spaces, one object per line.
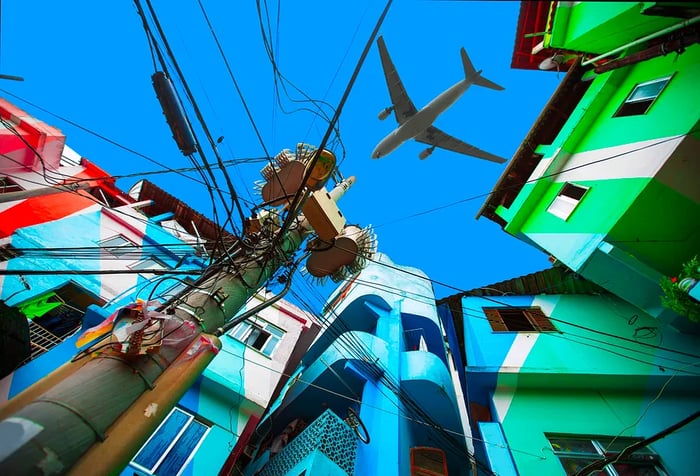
{"x":659,"y":50}
{"x":659,"y":33}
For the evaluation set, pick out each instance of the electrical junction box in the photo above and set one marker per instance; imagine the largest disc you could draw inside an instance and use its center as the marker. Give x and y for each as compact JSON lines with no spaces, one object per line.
{"x":323,"y":215}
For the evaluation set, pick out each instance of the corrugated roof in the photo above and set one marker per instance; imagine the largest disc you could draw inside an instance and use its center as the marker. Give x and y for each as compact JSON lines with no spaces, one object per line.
{"x":555,"y":280}
{"x":545,"y":129}
{"x":163,"y":202}
{"x":532,"y":19}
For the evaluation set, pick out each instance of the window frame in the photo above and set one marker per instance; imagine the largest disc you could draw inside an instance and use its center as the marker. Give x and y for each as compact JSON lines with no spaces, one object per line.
{"x":633,"y":106}
{"x":129,"y":246}
{"x":158,"y":264}
{"x":71,"y":300}
{"x":8,"y":252}
{"x":420,"y":468}
{"x":244,"y":329}
{"x":563,"y":206}
{"x":7,"y":185}
{"x":534,"y":316}
{"x":643,"y":457}
{"x":191,"y":418}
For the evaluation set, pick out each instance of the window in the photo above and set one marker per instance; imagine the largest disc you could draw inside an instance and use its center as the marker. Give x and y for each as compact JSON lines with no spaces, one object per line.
{"x":7,"y":252}
{"x":8,"y":185}
{"x":149,"y":263}
{"x":642,"y":97}
{"x":172,"y":445}
{"x":118,"y":245}
{"x":575,"y":453}
{"x":258,"y":334}
{"x":427,"y":461}
{"x":107,"y":199}
{"x":566,"y":201}
{"x":518,"y":319}
{"x":178,"y":288}
{"x":152,"y":263}
{"x":56,"y":315}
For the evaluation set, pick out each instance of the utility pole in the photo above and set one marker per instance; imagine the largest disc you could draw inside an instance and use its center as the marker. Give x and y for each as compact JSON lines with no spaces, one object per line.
{"x":91,"y":415}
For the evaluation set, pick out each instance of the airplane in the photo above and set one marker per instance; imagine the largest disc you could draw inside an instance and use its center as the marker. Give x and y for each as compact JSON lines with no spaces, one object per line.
{"x":414,"y":124}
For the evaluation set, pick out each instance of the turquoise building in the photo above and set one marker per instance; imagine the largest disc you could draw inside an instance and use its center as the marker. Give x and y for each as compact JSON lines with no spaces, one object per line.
{"x":209,"y":429}
{"x":377,"y":391}
{"x":606,"y":179}
{"x":558,"y":372}
{"x":71,"y":258}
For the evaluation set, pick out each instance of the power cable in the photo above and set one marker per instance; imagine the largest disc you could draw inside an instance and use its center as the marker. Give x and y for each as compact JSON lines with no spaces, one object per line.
{"x":384,"y":410}
{"x":210,"y":190}
{"x":93,"y":133}
{"x":521,"y":184}
{"x":394,"y":386}
{"x":600,"y":464}
{"x":198,"y":113}
{"x":300,"y":195}
{"x":233,"y":79}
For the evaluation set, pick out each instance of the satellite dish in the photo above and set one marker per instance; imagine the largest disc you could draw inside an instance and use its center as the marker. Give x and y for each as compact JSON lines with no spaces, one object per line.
{"x":551,"y":62}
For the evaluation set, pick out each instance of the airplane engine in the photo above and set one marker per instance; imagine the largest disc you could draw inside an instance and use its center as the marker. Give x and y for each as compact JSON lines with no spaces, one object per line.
{"x":424,"y":154}
{"x":384,"y":113}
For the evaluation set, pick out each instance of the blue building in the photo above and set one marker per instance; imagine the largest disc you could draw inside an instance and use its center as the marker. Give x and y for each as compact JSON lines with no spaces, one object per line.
{"x":70,"y":259}
{"x":375,"y":393}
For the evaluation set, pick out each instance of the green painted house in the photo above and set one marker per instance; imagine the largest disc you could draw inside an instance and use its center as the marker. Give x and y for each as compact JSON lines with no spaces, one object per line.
{"x":559,"y":373}
{"x":606,"y":181}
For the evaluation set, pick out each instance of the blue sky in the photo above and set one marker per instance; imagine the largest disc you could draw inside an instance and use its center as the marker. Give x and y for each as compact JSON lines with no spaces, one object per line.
{"x":90,"y":62}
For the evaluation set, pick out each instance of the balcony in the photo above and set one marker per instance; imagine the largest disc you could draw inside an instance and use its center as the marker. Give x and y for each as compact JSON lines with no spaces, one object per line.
{"x":328,"y":435}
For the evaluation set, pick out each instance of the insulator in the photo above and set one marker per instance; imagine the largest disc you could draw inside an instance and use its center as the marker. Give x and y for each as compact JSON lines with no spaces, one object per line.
{"x":268,"y":172}
{"x":318,"y":281}
{"x":280,"y":159}
{"x":258,"y":185}
{"x":284,"y":157}
{"x":305,"y":151}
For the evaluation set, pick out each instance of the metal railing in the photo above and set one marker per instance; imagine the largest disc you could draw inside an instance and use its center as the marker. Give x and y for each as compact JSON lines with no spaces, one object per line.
{"x":328,"y":434}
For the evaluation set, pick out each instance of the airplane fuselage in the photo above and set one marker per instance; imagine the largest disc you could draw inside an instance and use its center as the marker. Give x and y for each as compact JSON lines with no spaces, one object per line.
{"x":421,"y":120}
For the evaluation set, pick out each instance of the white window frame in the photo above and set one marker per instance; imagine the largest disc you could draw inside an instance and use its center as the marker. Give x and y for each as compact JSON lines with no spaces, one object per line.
{"x":140,"y":265}
{"x":242,"y":331}
{"x":563,"y":206}
{"x":156,"y":465}
{"x":7,"y":185}
{"x":598,"y":444}
{"x":650,"y":98}
{"x":128,"y":245}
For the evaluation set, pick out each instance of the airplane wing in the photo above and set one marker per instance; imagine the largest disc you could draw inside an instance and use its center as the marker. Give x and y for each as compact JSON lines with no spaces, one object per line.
{"x":435,"y":137}
{"x":403,"y":106}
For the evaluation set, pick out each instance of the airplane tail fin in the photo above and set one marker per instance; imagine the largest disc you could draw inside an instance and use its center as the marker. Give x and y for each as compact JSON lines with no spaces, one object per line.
{"x":475,"y":76}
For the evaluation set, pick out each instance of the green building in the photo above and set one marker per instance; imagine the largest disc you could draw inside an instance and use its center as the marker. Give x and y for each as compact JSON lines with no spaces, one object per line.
{"x":559,"y":374}
{"x":606,"y":181}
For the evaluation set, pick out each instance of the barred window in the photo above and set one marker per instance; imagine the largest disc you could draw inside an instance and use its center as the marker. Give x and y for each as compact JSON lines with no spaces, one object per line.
{"x":576,"y":452}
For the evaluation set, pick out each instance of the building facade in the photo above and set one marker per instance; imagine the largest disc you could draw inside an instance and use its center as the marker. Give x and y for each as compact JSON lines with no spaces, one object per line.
{"x":375,"y":393}
{"x":209,"y":429}
{"x":67,"y":249}
{"x":71,"y":257}
{"x":605,"y":181}
{"x":559,"y":373}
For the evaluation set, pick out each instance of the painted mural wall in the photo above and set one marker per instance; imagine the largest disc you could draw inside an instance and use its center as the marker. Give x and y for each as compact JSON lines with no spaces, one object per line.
{"x":606,"y":370}
{"x":382,"y":352}
{"x":614,"y":196}
{"x":233,"y":392}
